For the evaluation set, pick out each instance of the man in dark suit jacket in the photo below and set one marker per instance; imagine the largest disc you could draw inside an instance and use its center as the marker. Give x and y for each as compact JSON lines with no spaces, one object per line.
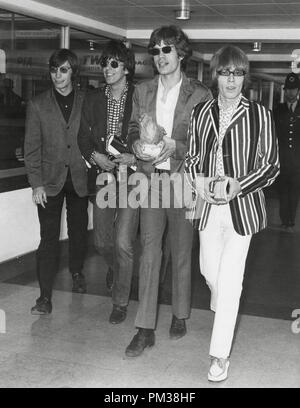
{"x":104,"y":124}
{"x":168,"y":99}
{"x":287,"y":120}
{"x":57,"y":171}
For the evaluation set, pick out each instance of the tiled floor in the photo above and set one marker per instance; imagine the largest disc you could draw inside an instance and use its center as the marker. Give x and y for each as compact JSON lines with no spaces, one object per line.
{"x":77,"y":347}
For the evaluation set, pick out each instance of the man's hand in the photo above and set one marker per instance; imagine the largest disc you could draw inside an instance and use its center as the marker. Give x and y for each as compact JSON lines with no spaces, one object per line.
{"x":137,"y":148}
{"x":125,"y":158}
{"x":103,"y":161}
{"x":202,"y":185}
{"x":39,"y":196}
{"x":167,"y":151}
{"x":234,"y":188}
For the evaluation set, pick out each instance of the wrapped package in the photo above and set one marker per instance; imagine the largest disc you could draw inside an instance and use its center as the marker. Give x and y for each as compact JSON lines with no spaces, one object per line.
{"x":151,"y":134}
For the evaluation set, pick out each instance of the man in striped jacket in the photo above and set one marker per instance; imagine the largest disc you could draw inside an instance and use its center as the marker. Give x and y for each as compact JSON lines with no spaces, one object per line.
{"x":232,"y":156}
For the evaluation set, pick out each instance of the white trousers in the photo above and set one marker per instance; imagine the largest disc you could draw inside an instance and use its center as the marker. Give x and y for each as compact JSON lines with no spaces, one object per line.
{"x":223,"y":254}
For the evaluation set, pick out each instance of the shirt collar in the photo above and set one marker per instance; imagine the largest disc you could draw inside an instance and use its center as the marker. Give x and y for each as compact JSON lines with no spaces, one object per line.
{"x":173,"y":89}
{"x":109,"y":94}
{"x":231,"y":107}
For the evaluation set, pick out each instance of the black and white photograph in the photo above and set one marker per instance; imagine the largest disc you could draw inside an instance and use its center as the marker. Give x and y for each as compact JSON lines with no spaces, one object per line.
{"x":149,"y":197}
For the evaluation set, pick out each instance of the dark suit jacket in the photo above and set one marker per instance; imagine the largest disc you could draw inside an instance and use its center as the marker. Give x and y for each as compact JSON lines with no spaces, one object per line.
{"x":93,"y":126}
{"x":144,"y":101}
{"x":288,"y":133}
{"x":51,"y":147}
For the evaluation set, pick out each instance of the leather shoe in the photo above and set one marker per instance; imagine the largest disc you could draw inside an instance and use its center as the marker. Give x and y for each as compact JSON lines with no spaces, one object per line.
{"x":144,"y":338}
{"x":177,"y":329}
{"x":118,"y":314}
{"x":43,"y":306}
{"x":109,"y":279}
{"x":79,"y":285}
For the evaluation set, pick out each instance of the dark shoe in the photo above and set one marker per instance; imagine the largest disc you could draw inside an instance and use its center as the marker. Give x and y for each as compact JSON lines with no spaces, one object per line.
{"x":177,"y":329}
{"x":79,"y":285}
{"x":144,"y":338}
{"x":290,"y":229}
{"x":43,"y":306}
{"x":109,"y":279}
{"x":118,"y":314}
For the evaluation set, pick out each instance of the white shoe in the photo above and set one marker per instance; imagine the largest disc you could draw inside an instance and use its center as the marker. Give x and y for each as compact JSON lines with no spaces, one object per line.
{"x":218,"y":369}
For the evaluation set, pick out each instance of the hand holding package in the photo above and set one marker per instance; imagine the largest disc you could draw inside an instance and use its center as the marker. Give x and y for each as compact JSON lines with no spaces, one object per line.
{"x":151,"y":136}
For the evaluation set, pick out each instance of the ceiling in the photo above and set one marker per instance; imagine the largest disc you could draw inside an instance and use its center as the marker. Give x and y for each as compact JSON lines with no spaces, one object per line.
{"x":276,"y":23}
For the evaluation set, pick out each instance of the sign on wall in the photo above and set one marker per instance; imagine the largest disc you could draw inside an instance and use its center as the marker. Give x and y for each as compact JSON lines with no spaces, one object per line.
{"x":36,"y":62}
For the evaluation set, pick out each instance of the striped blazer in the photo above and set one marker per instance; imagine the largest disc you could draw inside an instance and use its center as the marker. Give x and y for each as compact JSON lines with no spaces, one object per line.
{"x":250,"y":154}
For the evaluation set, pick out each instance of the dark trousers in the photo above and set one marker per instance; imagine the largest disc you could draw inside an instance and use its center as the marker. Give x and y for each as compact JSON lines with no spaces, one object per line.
{"x":50,"y":221}
{"x":289,"y":187}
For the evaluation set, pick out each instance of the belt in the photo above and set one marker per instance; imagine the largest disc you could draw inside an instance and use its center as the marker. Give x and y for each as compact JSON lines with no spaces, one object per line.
{"x":162,"y":171}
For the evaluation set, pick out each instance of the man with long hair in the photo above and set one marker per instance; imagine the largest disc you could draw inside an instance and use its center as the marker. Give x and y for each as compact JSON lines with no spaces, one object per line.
{"x":168,"y":99}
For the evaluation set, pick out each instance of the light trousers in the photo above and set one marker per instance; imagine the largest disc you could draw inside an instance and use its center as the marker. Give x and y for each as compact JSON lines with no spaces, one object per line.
{"x":153,"y":223}
{"x":223,"y":254}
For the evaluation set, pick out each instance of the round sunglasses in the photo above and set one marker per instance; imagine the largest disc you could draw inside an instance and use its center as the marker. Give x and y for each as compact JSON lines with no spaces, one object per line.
{"x":62,"y":70}
{"x":113,"y":63}
{"x":156,"y":51}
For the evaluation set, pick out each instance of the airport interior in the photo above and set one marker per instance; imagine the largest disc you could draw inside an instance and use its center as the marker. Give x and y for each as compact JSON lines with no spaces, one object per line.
{"x":76,"y":346}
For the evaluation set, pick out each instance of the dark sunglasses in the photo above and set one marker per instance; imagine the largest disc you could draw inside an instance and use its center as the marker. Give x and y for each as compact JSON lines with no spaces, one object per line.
{"x":62,"y":70}
{"x":236,"y":72}
{"x":156,"y":51}
{"x":113,"y":63}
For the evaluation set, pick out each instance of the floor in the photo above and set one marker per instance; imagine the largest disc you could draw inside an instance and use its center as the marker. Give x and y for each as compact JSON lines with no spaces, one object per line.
{"x":77,"y":347}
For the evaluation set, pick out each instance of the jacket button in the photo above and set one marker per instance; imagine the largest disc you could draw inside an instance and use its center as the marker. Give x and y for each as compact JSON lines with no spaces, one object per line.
{"x":66,"y":165}
{"x":69,"y":146}
{"x":68,"y":127}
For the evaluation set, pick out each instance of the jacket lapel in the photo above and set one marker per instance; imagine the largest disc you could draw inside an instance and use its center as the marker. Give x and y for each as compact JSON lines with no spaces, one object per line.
{"x":214,"y":117}
{"x":241,"y":111}
{"x":185,"y":92}
{"x":78,"y":98}
{"x":57,"y":111}
{"x":151,"y":96}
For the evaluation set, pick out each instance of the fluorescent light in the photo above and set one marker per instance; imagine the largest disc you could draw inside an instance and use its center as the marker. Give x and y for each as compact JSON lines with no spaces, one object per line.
{"x":256,"y":46}
{"x":184,"y":13}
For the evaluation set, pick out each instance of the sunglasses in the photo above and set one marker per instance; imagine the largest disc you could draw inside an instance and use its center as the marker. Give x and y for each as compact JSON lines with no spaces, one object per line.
{"x":113,"y":63}
{"x":62,"y":70}
{"x":156,"y":51}
{"x":236,"y":72}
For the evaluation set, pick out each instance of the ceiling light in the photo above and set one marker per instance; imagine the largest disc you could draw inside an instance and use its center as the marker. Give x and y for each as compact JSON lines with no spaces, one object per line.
{"x":256,"y":46}
{"x":91,"y":45}
{"x":185,"y":12}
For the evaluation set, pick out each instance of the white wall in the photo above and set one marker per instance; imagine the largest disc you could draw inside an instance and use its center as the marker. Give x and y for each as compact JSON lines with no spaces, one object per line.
{"x":19,"y":226}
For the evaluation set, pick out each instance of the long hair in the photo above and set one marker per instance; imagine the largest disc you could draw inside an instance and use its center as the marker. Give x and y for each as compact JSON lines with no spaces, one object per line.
{"x":118,"y":50}
{"x":172,"y":35}
{"x":226,"y":57}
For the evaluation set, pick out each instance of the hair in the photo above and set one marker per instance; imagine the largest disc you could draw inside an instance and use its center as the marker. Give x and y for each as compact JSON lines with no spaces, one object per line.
{"x":63,"y":55}
{"x":228,"y":56}
{"x":172,"y":35}
{"x":118,"y":50}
